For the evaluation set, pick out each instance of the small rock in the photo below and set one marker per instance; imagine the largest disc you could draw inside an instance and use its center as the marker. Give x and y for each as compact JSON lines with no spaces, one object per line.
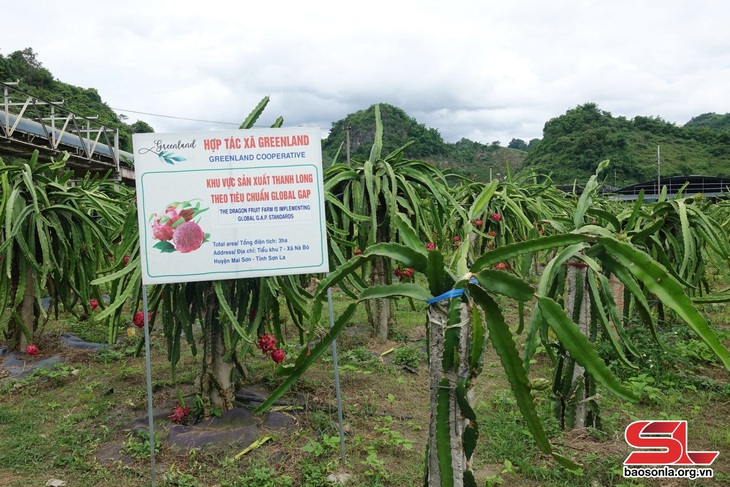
{"x":339,"y":478}
{"x":55,"y":483}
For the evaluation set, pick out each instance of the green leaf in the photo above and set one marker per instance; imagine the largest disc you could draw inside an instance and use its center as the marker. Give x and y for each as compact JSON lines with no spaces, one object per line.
{"x":402,"y":253}
{"x":504,"y":283}
{"x":338,"y":275}
{"x":471,"y":429}
{"x":164,"y":247}
{"x":128,"y":269}
{"x":711,"y":298}
{"x":439,"y":278}
{"x":506,"y":252}
{"x":121,"y":299}
{"x":502,"y":341}
{"x":452,"y":335}
{"x":610,"y":303}
{"x":255,"y":114}
{"x":223,"y":303}
{"x":481,"y":201}
{"x":408,"y":234}
{"x":408,"y":290}
{"x":586,"y":198}
{"x":603,"y":319}
{"x":377,"y":147}
{"x":660,"y":283}
{"x":580,"y":349}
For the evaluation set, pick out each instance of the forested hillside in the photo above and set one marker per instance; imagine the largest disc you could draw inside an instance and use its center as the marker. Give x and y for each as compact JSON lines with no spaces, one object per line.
{"x":466,"y":157}
{"x":574,"y":143}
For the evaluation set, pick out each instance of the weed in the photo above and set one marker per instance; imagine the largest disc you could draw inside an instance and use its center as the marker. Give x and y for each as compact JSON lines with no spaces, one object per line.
{"x":175,"y":476}
{"x":390,"y":437}
{"x":409,"y":356}
{"x":108,"y":355}
{"x":138,"y":444}
{"x":315,"y":474}
{"x":55,"y":372}
{"x":640,"y":386}
{"x":375,"y":467}
{"x":260,"y":475}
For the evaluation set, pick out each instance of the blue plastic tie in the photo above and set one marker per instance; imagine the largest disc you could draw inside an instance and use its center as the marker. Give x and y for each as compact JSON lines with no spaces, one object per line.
{"x":452,"y":293}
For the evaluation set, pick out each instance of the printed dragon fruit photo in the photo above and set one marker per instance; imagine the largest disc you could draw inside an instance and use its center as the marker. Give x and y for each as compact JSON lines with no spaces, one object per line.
{"x":178,"y":227}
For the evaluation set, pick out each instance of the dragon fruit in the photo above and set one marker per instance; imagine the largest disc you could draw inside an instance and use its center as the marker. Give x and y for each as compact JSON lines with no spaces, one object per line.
{"x":179,"y":414}
{"x":186,"y":214}
{"x":278,"y":355}
{"x":267,"y":343}
{"x":162,"y":232}
{"x":163,"y":226}
{"x":188,"y":237}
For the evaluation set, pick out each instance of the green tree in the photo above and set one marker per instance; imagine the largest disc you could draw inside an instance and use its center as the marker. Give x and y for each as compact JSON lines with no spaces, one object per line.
{"x":517,"y":144}
{"x":399,"y":130}
{"x":140,"y":127}
{"x":573,"y":143}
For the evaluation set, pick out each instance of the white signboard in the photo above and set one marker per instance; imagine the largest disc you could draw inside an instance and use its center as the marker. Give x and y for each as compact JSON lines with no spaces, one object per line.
{"x":232,"y":204}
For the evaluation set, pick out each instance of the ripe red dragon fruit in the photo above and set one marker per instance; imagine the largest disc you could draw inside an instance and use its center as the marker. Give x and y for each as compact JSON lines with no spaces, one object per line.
{"x":93,"y":303}
{"x":188,"y":237}
{"x":179,"y":414}
{"x":266,"y":343}
{"x":278,"y":355}
{"x":138,"y":319}
{"x":31,"y":350}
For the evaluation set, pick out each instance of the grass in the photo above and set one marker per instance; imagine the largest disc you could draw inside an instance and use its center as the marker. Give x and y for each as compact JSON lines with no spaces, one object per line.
{"x":64,"y":422}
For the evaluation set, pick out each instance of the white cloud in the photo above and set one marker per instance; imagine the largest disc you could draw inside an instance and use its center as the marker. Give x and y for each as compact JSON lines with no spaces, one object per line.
{"x":482,"y":70}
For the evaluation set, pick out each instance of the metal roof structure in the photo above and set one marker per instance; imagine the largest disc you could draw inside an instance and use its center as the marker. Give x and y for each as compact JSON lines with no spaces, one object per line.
{"x":709,"y":186}
{"x":28,"y":124}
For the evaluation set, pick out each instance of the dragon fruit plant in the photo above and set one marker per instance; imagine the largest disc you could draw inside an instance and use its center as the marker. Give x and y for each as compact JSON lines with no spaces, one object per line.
{"x":178,"y":228}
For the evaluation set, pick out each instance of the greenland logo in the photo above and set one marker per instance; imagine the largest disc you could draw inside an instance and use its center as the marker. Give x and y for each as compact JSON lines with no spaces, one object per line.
{"x":165,"y":153}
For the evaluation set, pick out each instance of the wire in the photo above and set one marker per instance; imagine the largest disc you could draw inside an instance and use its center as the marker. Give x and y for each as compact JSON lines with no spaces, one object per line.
{"x":170,"y":116}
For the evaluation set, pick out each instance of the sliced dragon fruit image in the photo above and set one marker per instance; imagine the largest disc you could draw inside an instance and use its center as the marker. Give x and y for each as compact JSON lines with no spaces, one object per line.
{"x":188,"y":237}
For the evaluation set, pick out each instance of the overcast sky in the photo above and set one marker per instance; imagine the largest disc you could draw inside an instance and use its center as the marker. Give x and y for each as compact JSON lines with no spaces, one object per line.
{"x":484,"y":70}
